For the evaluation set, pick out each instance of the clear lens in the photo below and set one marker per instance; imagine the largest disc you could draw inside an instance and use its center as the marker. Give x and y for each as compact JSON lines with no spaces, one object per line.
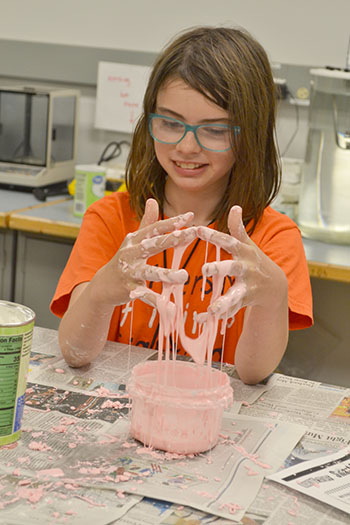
{"x":167,"y":130}
{"x":214,"y":137}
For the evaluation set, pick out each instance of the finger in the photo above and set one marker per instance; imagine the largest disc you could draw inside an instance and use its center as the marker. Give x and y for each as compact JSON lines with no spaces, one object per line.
{"x":172,"y":224}
{"x":147,"y":295}
{"x":227,"y":267}
{"x":147,"y":272}
{"x":154,"y":299}
{"x":231,"y":302}
{"x":151,"y":213}
{"x":157,"y":244}
{"x":223,"y":240}
{"x":236,"y":226}
{"x":161,"y":227}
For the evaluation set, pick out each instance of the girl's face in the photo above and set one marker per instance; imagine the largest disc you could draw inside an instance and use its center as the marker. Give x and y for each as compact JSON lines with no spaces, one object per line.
{"x":190,"y":167}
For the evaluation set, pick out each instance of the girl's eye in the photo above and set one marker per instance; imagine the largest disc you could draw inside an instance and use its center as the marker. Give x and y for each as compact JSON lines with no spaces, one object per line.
{"x":215,"y":131}
{"x":171,"y":124}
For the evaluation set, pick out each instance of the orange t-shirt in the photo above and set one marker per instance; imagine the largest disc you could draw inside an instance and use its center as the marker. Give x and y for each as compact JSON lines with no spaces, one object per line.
{"x":104,"y":227}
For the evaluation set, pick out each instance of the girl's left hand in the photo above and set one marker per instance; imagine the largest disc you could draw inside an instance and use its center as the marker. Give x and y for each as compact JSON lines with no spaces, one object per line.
{"x":258,"y":280}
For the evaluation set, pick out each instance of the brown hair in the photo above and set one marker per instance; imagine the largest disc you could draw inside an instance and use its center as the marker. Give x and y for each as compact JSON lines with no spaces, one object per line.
{"x":229,"y":67}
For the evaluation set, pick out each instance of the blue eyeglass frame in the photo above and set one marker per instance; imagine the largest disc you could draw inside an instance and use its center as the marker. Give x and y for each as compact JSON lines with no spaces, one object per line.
{"x":189,"y":127}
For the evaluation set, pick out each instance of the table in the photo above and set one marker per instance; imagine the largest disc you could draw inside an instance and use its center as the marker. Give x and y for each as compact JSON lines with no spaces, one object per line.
{"x":24,"y":261}
{"x":17,"y":201}
{"x":52,"y":218}
{"x":328,"y":261}
{"x":72,"y":421}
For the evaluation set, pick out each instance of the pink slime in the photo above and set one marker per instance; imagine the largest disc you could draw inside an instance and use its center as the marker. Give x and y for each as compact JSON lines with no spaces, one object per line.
{"x":178,"y":406}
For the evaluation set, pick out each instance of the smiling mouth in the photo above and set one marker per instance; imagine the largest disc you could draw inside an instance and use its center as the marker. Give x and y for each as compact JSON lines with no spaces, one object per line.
{"x":188,"y":165}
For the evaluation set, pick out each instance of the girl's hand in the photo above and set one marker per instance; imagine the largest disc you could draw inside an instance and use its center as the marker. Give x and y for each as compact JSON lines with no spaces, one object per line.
{"x":258,"y":280}
{"x":124,"y":277}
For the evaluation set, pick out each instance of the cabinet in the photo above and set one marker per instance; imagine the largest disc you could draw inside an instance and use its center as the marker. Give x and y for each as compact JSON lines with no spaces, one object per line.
{"x":40,"y":262}
{"x":7,"y":263}
{"x":35,"y":242}
{"x":322,"y":352}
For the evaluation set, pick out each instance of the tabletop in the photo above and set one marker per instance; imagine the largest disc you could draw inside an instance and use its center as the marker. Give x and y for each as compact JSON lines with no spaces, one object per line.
{"x":20,"y":204}
{"x":13,"y":200}
{"x":328,"y":261}
{"x":76,"y":462}
{"x":55,"y":218}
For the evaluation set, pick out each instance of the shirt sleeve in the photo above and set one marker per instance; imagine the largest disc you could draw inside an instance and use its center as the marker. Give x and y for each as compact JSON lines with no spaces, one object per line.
{"x":282,"y":242}
{"x":100,"y":236}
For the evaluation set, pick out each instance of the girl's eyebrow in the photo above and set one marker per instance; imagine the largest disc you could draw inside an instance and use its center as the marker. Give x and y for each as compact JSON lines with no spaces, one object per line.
{"x":161,"y":109}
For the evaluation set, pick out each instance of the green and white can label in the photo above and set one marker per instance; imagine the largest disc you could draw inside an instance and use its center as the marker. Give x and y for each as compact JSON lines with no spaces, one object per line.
{"x":16,"y":331}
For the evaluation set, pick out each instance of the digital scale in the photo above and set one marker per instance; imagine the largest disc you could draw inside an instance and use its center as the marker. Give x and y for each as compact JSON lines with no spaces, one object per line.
{"x":38,"y":135}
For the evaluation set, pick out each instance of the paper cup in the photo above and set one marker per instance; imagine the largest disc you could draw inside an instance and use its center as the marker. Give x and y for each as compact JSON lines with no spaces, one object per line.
{"x":16,"y":330}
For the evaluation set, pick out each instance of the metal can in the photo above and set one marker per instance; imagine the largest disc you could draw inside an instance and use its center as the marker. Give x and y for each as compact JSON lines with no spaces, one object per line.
{"x":16,"y":331}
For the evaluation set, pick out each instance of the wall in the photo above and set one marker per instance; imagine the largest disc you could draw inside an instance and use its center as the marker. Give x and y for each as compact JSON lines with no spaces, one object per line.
{"x":289,"y":31}
{"x":295,"y":32}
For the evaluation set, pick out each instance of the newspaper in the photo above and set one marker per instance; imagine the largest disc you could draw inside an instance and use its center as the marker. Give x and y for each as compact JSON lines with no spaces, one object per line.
{"x":326,"y":479}
{"x":324,"y":408}
{"x":113,"y":367}
{"x":157,"y":512}
{"x":80,"y":472}
{"x":223,"y":481}
{"x":86,"y":439}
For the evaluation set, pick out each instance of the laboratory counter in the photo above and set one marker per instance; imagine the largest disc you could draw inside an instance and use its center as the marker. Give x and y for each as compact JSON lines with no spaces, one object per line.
{"x":76,"y":462}
{"x":26,"y":243}
{"x":53,"y":218}
{"x":328,"y":261}
{"x":13,"y":201}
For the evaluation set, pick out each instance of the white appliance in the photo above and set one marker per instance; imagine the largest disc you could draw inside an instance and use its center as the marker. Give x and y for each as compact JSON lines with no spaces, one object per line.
{"x":38,"y":135}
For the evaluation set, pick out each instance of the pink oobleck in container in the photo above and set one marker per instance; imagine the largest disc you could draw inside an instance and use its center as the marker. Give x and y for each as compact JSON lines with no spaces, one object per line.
{"x":177,"y":406}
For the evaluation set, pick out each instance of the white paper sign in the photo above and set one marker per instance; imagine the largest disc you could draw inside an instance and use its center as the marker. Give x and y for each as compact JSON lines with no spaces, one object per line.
{"x":120,"y":91}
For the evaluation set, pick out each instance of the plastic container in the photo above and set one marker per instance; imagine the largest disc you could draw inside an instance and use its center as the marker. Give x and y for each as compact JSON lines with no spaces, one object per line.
{"x":16,"y":330}
{"x":177,"y":406}
{"x":90,"y":185}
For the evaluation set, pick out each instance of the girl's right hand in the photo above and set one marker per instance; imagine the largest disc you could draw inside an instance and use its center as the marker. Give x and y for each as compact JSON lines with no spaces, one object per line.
{"x":128,"y":270}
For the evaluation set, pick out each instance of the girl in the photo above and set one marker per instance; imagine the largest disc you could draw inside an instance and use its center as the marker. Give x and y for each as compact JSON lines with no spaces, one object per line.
{"x":203,"y":166}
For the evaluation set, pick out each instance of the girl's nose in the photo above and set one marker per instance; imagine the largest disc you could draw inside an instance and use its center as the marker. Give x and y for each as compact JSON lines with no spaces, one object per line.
{"x":188,"y":143}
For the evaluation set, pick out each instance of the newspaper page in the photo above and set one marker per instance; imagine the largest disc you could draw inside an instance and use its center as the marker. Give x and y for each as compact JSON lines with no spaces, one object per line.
{"x":326,"y":479}
{"x":33,"y":486}
{"x":83,"y":441}
{"x":223,"y":481}
{"x":325,"y":410}
{"x":158,"y":512}
{"x":75,"y":450}
{"x":80,"y":436}
{"x":112,"y":368}
{"x":322,"y":407}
